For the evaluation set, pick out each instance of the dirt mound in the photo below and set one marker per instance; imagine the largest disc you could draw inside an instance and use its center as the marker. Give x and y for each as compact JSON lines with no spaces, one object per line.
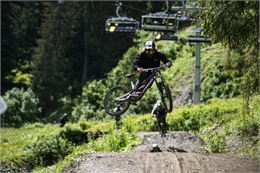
{"x":179,"y":141}
{"x":174,"y":153}
{"x":134,"y":162}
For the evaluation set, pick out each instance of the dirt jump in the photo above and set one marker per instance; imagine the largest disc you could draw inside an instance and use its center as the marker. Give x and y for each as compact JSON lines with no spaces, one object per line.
{"x":180,"y":152}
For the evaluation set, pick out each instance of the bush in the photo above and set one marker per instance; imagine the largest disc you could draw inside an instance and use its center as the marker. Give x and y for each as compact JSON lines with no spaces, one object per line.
{"x":65,"y":108}
{"x":248,"y":128}
{"x":118,"y":141}
{"x":23,"y":106}
{"x":198,"y":117}
{"x":33,"y":125}
{"x":137,"y":123}
{"x":90,"y":104}
{"x":74,"y":135}
{"x":215,"y":143}
{"x":221,"y":79}
{"x":46,"y":150}
{"x":7,"y":166}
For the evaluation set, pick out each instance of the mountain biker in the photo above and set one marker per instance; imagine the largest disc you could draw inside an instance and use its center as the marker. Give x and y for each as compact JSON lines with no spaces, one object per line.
{"x":149,"y":58}
{"x":160,"y":113}
{"x":159,"y":109}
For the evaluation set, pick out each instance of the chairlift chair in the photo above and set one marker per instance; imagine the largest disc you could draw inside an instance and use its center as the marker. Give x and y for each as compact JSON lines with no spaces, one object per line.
{"x":121,"y":24}
{"x":182,"y":21}
{"x":158,"y":22}
{"x":165,"y":22}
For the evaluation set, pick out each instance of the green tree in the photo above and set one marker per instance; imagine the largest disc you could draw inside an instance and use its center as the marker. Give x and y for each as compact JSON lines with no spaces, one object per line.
{"x":236,"y":24}
{"x":19,"y":30}
{"x":23,"y":107}
{"x":52,"y":65}
{"x":74,"y":48}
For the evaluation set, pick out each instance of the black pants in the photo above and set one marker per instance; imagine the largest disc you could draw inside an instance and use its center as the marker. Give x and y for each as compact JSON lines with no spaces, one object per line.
{"x":144,"y":79}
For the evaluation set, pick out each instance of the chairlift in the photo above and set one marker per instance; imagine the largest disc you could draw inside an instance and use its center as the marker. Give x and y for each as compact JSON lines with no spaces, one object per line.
{"x":121,"y":24}
{"x":158,"y":22}
{"x":164,"y":21}
{"x":182,"y":20}
{"x":182,"y":13}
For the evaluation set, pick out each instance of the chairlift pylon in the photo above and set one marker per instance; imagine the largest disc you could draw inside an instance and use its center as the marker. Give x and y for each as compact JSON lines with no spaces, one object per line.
{"x":121,"y":24}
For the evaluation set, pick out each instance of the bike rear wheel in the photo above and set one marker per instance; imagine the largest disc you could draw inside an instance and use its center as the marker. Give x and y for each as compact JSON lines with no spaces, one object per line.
{"x":114,"y":102}
{"x":162,"y":130}
{"x":166,"y":96}
{"x":161,"y":123}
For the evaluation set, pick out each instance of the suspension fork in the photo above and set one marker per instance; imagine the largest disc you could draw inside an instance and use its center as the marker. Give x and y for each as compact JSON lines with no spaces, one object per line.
{"x":159,"y":86}
{"x":159,"y":83}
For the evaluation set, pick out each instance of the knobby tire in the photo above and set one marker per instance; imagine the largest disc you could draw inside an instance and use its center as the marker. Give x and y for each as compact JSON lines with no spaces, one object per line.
{"x":109,"y":97}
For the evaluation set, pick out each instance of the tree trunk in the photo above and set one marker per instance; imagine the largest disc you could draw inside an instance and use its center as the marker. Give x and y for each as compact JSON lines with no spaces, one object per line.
{"x":85,"y":67}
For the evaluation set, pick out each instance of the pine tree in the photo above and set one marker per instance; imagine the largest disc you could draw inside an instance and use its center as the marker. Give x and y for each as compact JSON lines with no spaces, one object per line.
{"x":19,"y":30}
{"x":52,"y":67}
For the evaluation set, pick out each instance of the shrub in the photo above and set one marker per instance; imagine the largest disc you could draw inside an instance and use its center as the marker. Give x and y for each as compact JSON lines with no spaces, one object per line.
{"x":198,"y":117}
{"x":117,"y":141}
{"x":46,"y":150}
{"x":6,"y":166}
{"x":137,"y":123}
{"x":23,"y":106}
{"x":221,"y":79}
{"x":65,"y":108}
{"x":74,"y":135}
{"x":248,"y":128}
{"x":90,"y":104}
{"x":33,"y":125}
{"x":215,"y":143}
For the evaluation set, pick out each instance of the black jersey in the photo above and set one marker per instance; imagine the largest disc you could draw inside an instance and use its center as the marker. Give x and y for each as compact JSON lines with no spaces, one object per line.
{"x":142,"y":60}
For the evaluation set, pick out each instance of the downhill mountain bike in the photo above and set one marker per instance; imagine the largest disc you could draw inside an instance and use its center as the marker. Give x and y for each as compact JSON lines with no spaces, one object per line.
{"x":118,"y":98}
{"x":161,"y":124}
{"x":160,"y":113}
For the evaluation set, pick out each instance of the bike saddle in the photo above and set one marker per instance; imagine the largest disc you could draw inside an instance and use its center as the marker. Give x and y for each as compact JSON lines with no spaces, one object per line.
{"x":129,"y":75}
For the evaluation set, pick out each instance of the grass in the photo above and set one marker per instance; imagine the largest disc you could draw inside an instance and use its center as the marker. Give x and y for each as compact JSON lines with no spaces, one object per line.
{"x":13,"y":139}
{"x":196,"y":118}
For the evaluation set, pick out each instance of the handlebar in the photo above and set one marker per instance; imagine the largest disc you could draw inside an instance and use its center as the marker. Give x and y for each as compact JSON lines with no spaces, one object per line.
{"x":155,"y":68}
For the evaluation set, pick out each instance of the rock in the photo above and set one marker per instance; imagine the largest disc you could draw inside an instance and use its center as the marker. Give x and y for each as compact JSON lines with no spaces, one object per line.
{"x":155,"y":148}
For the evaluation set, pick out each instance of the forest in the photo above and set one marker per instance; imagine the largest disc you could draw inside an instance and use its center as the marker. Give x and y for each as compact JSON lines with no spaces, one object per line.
{"x":57,"y":58}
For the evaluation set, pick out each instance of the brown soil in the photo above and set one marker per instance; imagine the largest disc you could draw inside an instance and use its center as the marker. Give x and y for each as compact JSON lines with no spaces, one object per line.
{"x":178,"y":152}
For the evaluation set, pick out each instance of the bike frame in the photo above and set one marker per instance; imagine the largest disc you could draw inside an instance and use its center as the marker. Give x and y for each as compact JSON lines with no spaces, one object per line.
{"x":155,"y":74}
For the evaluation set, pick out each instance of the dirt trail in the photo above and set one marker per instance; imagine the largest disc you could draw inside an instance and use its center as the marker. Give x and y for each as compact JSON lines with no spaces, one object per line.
{"x":176,"y":154}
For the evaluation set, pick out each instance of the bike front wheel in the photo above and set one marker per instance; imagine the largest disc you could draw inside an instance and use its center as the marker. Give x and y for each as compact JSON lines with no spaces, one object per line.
{"x":116,"y":102}
{"x":166,"y":96}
